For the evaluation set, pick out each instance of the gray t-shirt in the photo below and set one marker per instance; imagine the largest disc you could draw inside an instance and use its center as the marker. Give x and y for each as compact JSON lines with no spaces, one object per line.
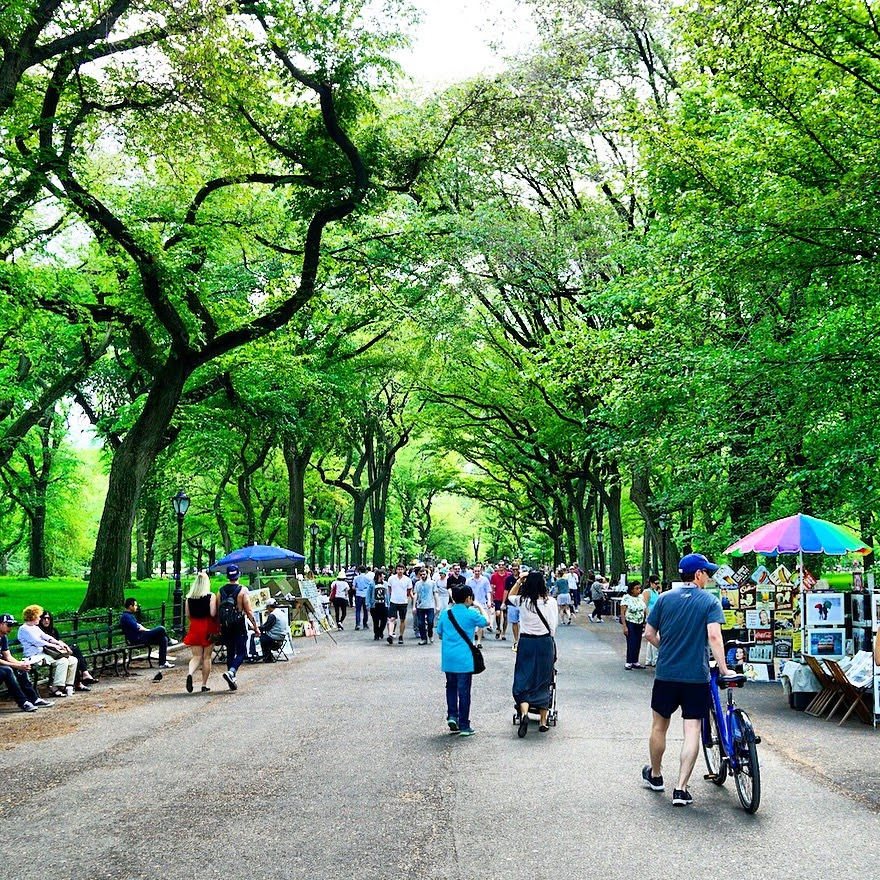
{"x":681,"y":617}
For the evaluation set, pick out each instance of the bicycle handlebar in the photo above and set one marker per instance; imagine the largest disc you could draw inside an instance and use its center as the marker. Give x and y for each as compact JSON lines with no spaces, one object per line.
{"x":736,"y":643}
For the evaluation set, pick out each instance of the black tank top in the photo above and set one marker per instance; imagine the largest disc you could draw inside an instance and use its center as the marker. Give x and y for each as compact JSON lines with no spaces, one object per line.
{"x":199,"y":608}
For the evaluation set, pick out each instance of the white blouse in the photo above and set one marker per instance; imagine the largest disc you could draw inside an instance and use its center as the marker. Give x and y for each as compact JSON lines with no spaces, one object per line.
{"x":529,"y":622}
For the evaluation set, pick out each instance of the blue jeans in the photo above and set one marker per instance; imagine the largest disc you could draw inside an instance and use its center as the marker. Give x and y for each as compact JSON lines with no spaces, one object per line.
{"x":360,"y":611}
{"x":458,"y":697}
{"x":425,"y":621}
{"x":18,"y":685}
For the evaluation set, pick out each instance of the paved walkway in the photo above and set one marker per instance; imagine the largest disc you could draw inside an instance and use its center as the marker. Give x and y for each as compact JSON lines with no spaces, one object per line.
{"x":338,"y":764}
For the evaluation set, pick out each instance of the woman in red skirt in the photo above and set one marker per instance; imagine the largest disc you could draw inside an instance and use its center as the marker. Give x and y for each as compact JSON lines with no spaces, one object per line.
{"x":201,"y":609}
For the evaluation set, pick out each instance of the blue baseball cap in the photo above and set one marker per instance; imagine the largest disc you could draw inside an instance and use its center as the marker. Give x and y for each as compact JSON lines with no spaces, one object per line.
{"x":695,"y":562}
{"x":232,"y":571}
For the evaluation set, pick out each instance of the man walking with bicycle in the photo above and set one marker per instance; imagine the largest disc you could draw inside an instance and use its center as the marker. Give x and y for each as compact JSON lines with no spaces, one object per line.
{"x":682,"y":625}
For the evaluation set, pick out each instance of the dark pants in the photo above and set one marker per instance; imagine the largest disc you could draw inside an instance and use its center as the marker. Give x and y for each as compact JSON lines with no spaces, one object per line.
{"x":18,"y":685}
{"x":576,"y":597}
{"x":598,"y":608}
{"x":425,"y":620}
{"x":633,"y":641}
{"x":360,"y":611}
{"x":155,"y":636}
{"x":268,"y":645}
{"x":236,"y":649}
{"x":458,"y":697}
{"x":340,"y":605}
{"x":380,"y":620}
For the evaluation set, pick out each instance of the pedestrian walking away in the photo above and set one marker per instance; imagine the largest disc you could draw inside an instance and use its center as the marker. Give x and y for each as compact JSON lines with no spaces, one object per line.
{"x":562,"y":593}
{"x":597,"y":594}
{"x":203,"y":631}
{"x":632,"y":618}
{"x":533,"y":675}
{"x":361,"y":585}
{"x":234,"y":610}
{"x":339,"y":598}
{"x":457,"y":658}
{"x":684,"y":625}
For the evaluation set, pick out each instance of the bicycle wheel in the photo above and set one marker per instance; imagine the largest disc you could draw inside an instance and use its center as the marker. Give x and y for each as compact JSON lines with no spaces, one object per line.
{"x":746,"y":770}
{"x":713,"y":748}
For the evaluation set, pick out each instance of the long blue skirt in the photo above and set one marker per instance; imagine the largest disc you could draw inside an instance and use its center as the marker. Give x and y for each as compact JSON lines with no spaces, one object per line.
{"x":533,"y":673}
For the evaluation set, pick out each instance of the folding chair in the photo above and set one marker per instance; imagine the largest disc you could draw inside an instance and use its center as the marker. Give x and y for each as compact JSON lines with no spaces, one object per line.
{"x":830,"y":690}
{"x":850,"y":695}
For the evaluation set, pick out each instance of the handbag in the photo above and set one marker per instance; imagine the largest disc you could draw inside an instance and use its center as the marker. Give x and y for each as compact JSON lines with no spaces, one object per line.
{"x":56,"y":653}
{"x":479,"y":662}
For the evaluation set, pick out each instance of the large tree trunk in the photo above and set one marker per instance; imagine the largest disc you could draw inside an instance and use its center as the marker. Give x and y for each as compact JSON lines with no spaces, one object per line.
{"x":617,"y":563}
{"x":111,"y":565}
{"x":296,"y":463}
{"x":378,"y":516}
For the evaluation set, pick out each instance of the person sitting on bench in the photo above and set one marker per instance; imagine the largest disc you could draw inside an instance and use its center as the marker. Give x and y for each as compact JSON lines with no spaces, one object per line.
{"x":14,"y":673}
{"x":135,"y":634}
{"x":273,"y":632}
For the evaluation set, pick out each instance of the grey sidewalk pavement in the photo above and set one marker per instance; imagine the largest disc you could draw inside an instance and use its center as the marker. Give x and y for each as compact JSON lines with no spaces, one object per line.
{"x":339,"y":764}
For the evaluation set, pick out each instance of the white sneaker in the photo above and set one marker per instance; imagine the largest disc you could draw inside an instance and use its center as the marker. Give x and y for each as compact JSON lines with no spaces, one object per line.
{"x":69,"y":690}
{"x":166,"y":665}
{"x":43,"y":704}
{"x":28,"y":706}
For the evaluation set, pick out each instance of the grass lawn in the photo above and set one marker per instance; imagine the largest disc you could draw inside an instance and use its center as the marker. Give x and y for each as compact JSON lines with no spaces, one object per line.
{"x":61,"y":595}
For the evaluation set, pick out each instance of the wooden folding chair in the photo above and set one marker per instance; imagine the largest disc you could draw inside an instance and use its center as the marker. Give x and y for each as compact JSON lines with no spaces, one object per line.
{"x":851,"y":696}
{"x":829,"y":693}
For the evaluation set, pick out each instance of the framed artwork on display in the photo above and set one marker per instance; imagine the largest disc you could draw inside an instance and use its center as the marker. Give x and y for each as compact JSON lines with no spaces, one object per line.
{"x":825,"y":642}
{"x":758,"y":618}
{"x":824,"y":609}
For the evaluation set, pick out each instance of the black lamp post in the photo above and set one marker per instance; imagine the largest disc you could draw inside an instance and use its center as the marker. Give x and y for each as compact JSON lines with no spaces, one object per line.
{"x":361,"y":544}
{"x":180,"y":503}
{"x":663,"y":522}
{"x":600,"y":551}
{"x":313,"y":530}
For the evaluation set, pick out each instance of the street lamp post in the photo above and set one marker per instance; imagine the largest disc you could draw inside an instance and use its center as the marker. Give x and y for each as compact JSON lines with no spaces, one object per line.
{"x":663,"y":525}
{"x":361,"y":544}
{"x":600,"y":551}
{"x":180,"y":503}
{"x":313,"y":530}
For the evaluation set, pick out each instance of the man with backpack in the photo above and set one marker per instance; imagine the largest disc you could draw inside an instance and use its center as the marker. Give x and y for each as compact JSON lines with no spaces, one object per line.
{"x":234,"y":608}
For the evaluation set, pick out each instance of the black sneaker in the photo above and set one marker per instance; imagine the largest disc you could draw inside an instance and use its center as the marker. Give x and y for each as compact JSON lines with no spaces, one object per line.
{"x":681,"y":798}
{"x":655,"y":783}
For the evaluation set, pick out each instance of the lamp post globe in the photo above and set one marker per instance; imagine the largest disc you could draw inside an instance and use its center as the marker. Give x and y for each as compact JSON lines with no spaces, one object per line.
{"x":180,"y":504}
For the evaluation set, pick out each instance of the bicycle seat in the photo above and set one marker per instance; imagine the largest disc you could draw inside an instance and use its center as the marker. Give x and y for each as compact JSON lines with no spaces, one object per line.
{"x":736,"y":643}
{"x":732,"y":681}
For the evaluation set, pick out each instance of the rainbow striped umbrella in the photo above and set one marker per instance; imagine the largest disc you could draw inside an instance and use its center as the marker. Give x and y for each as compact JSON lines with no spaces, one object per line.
{"x":799,"y":534}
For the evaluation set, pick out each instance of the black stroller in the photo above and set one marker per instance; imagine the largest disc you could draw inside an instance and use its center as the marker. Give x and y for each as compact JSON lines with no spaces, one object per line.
{"x":552,"y":714}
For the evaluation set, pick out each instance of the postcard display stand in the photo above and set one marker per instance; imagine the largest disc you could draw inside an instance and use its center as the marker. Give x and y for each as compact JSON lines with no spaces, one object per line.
{"x":760,"y":606}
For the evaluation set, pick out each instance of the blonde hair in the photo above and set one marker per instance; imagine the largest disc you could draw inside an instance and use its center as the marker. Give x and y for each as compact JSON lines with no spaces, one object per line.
{"x":32,"y":613}
{"x":201,"y":586}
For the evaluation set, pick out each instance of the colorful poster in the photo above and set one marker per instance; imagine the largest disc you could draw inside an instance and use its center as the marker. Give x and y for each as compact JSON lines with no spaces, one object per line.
{"x":761,"y":576}
{"x":783,"y":623}
{"x":742,"y":575}
{"x":809,"y":581}
{"x":724,"y":575}
{"x":763,"y":636}
{"x":761,"y":654}
{"x":765,"y":598}
{"x":780,"y":576}
{"x":729,"y":597}
{"x":784,"y":597}
{"x":747,"y":595}
{"x":758,"y":619}
{"x":757,"y":671}
{"x":731,"y":620}
{"x":783,"y":648}
{"x":858,"y":583}
{"x":797,"y":642}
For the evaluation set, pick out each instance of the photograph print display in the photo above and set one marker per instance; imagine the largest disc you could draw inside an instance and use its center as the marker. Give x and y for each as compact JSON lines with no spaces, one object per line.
{"x":824,"y":609}
{"x":825,"y":643}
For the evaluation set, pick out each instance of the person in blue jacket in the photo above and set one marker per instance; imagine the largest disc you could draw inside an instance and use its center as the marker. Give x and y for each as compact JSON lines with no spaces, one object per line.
{"x":456,"y":657}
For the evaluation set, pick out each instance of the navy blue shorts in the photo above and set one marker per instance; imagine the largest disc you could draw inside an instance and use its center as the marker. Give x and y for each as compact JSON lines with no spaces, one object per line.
{"x":398,"y":609}
{"x":693,"y":698}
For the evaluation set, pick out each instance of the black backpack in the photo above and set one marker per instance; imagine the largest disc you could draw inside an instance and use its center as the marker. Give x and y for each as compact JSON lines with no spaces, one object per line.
{"x":229,"y":613}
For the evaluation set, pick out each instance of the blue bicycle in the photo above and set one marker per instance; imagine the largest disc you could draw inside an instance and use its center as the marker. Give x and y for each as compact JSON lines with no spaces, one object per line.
{"x":729,"y":740}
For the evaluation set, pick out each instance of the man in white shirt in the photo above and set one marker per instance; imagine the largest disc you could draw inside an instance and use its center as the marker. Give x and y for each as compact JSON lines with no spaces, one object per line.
{"x":400,"y":588}
{"x":479,"y":583}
